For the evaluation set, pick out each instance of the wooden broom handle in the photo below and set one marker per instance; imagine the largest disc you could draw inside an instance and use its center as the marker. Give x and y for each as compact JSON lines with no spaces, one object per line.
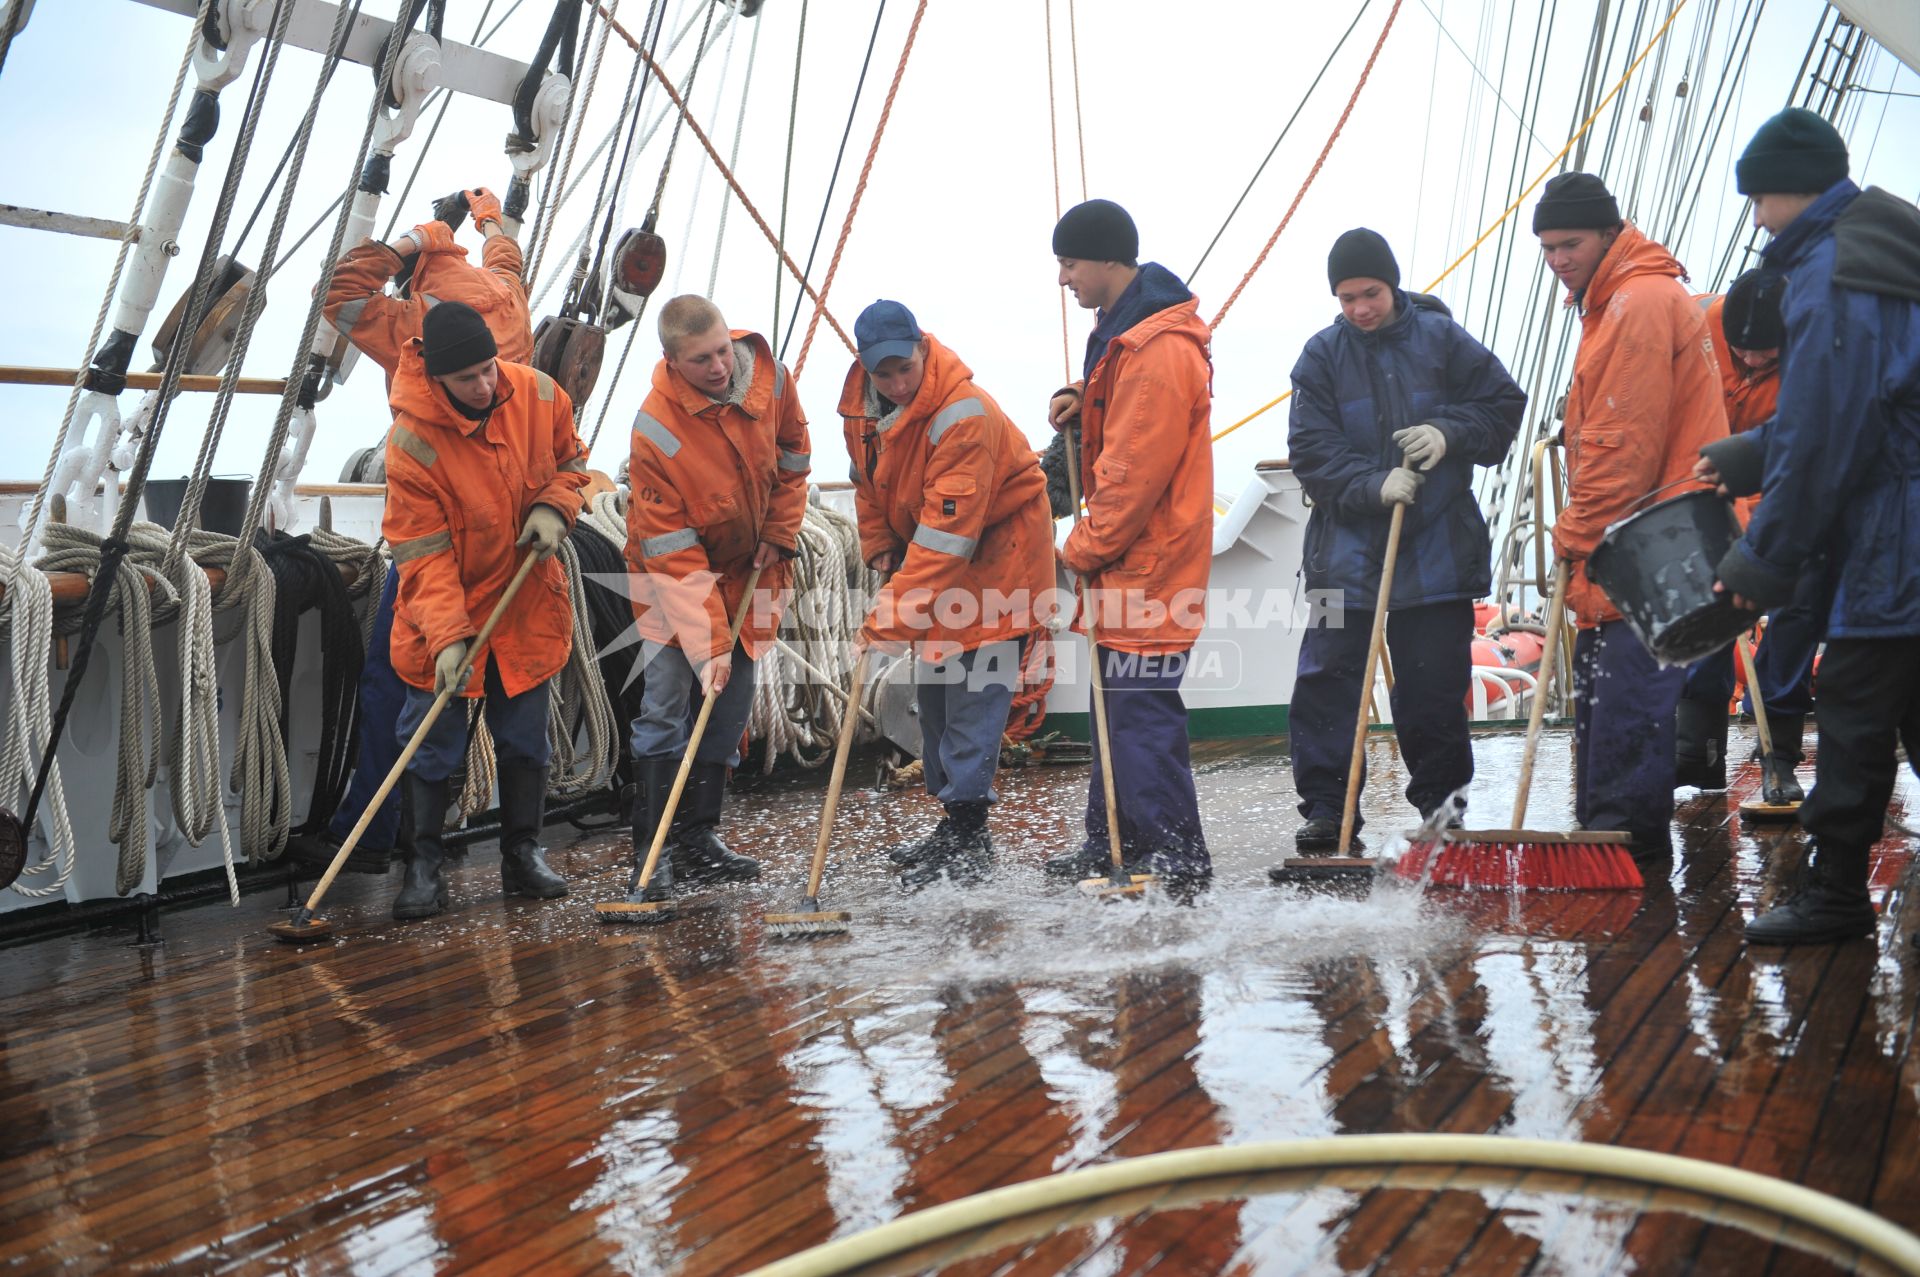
{"x":1099,"y":690}
{"x":1760,"y":724}
{"x":849,"y":723}
{"x":1375,"y":642}
{"x":1556,"y":612}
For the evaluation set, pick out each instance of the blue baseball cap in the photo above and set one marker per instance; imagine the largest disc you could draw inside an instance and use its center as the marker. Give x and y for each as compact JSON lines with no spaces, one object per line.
{"x":885,"y":330}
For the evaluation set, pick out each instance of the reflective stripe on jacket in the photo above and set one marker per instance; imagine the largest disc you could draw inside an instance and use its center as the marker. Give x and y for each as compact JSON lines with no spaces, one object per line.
{"x":710,"y":481}
{"x":953,"y":484}
{"x":458,"y":493}
{"x":1646,"y":396}
{"x":381,"y":325}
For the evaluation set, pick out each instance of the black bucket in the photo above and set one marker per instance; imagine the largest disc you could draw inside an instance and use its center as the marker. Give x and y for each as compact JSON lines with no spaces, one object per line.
{"x":223,"y":507}
{"x":1658,"y":567}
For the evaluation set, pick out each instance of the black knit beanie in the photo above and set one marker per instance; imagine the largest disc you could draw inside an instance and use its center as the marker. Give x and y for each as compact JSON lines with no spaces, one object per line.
{"x":1097,"y":231}
{"x":1576,"y":202}
{"x":1362,"y":254}
{"x":1751,"y":313}
{"x":453,"y":336}
{"x":1794,"y":153}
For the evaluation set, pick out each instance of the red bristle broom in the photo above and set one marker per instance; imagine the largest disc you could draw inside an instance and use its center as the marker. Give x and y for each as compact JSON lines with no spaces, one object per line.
{"x":1520,"y":859}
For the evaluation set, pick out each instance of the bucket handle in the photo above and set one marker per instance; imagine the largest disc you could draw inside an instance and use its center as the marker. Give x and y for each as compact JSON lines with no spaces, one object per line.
{"x":1634,"y":508}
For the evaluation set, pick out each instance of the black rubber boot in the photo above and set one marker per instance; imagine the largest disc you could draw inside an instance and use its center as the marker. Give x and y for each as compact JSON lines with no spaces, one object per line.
{"x":1700,"y":744}
{"x":1184,"y":875}
{"x":653,"y":781}
{"x":1084,"y":863}
{"x":1321,"y":836}
{"x":1779,"y":784}
{"x":424,"y":892}
{"x":964,"y":855}
{"x":1832,"y":904}
{"x":698,"y":852}
{"x":523,"y":809}
{"x":316,"y":851}
{"x":930,"y":845}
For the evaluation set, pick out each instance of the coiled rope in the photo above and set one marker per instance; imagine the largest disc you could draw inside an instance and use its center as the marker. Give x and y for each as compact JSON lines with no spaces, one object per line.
{"x":26,"y":625}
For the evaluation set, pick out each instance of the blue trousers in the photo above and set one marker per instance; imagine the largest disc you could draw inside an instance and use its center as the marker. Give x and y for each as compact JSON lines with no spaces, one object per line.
{"x":382,"y":697}
{"x":1432,"y":651}
{"x":518,"y":724}
{"x":670,"y":701}
{"x":1623,"y":736}
{"x":1153,"y":775}
{"x":1783,"y":662}
{"x":963,"y":715}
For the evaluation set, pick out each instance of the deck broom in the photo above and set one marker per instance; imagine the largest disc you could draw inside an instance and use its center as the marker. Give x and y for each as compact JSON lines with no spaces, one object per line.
{"x":653,"y":912}
{"x":1763,"y":808}
{"x":1118,"y":883}
{"x":1520,"y":859}
{"x":810,"y":921}
{"x":304,"y":927}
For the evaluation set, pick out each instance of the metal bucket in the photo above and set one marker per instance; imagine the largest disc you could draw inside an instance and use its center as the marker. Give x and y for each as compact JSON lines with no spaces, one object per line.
{"x":223,"y":508}
{"x":1658,"y":567}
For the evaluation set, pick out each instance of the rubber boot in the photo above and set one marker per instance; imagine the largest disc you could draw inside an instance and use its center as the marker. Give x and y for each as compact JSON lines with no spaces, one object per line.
{"x":653,"y":781}
{"x":1832,"y":904}
{"x":1779,"y":784}
{"x":1084,"y":863}
{"x":931,"y":844}
{"x":698,"y":852}
{"x":964,"y":855}
{"x":424,"y":891}
{"x":523,"y":809}
{"x":1321,"y":837}
{"x":1184,"y":875}
{"x":1700,"y":744}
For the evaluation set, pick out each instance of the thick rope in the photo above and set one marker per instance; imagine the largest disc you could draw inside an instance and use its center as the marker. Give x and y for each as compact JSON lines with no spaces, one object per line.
{"x":859,"y":190}
{"x":579,"y":696}
{"x":713,"y":153}
{"x":1053,"y":142}
{"x":1544,"y":174}
{"x":28,"y":616}
{"x":1079,"y":116}
{"x":1352,"y":100}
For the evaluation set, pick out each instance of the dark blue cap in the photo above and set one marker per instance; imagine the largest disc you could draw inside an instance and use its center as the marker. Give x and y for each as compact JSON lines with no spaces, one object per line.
{"x":885,"y":330}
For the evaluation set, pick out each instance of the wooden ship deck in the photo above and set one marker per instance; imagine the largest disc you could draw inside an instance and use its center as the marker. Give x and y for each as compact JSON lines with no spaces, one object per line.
{"x":517,"y":1088}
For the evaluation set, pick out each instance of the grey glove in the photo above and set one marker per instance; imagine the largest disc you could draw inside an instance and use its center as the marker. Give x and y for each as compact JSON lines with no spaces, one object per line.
{"x":446,"y":666}
{"x":1053,"y":463}
{"x":544,"y":530}
{"x":1401,"y":487}
{"x":1424,"y":445}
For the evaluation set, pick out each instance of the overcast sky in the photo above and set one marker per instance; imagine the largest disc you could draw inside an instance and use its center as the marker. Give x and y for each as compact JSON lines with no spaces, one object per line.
{"x":1180,"y":102}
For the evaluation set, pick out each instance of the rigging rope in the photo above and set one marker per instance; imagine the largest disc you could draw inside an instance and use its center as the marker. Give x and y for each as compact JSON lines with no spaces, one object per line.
{"x":693,"y":126}
{"x":1053,"y":143}
{"x":733,"y":156}
{"x":1079,"y":116}
{"x":786,"y":174}
{"x":1519,"y":199}
{"x":28,"y":621}
{"x":1313,"y":172}
{"x":859,"y":189}
{"x":700,"y":175}
{"x":833,"y":181}
{"x":558,"y":181}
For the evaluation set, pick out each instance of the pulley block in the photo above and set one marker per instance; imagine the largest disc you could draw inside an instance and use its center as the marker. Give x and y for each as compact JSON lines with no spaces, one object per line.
{"x":639,"y":262}
{"x":569,"y":351}
{"x":211,"y":344}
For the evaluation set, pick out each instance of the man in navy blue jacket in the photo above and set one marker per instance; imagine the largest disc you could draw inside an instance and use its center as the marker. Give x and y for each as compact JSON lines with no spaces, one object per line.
{"x":1394,"y":403}
{"x":1840,"y":464}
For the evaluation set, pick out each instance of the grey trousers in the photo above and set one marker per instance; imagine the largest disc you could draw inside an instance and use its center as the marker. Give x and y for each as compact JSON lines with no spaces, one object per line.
{"x":963,"y":714}
{"x":671,"y":699}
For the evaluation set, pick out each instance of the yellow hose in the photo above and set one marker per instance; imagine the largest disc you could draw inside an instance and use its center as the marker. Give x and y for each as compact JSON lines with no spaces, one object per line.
{"x":1872,"y":1235}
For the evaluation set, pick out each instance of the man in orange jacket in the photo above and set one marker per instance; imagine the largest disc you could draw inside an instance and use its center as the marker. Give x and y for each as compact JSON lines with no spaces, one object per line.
{"x":1748,"y":332}
{"x":425,"y":265}
{"x":482,"y":464}
{"x":1145,"y":543}
{"x":718,"y":473}
{"x":1645,"y":396}
{"x":952,"y":503}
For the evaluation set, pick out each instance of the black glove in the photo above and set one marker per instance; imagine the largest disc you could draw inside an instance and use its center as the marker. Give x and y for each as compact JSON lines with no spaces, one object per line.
{"x":1053,"y":463}
{"x":1741,"y":461}
{"x":451,"y":209}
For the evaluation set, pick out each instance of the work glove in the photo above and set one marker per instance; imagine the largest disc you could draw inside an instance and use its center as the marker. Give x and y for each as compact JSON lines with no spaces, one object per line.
{"x":446,"y":666}
{"x":452,"y":209}
{"x":484,"y":205}
{"x":544,"y":530}
{"x":1424,"y":445}
{"x":1401,"y":487}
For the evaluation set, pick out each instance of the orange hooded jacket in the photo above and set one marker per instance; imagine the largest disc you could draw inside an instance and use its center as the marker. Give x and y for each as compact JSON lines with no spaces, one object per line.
{"x":1751,"y":394}
{"x":381,"y":325}
{"x":1145,"y":542}
{"x":1646,"y":395}
{"x":711,"y":481}
{"x":458,"y":493}
{"x":951,"y":483}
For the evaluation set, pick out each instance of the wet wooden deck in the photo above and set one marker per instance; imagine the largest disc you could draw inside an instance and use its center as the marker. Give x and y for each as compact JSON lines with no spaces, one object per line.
{"x":514,"y":1088}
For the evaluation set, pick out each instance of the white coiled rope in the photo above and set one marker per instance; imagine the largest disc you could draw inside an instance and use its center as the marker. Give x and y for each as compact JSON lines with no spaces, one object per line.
{"x":26,"y":624}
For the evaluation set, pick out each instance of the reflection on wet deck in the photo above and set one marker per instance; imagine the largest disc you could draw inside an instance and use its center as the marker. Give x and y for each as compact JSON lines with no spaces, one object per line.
{"x":518,"y":1088}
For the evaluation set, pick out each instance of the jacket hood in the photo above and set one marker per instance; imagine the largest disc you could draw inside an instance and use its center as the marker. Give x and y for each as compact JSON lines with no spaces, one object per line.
{"x":1877,"y":246}
{"x":946,"y":371}
{"x":1153,"y":292}
{"x":420,"y":397}
{"x":749,"y":390}
{"x":1632,"y":255}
